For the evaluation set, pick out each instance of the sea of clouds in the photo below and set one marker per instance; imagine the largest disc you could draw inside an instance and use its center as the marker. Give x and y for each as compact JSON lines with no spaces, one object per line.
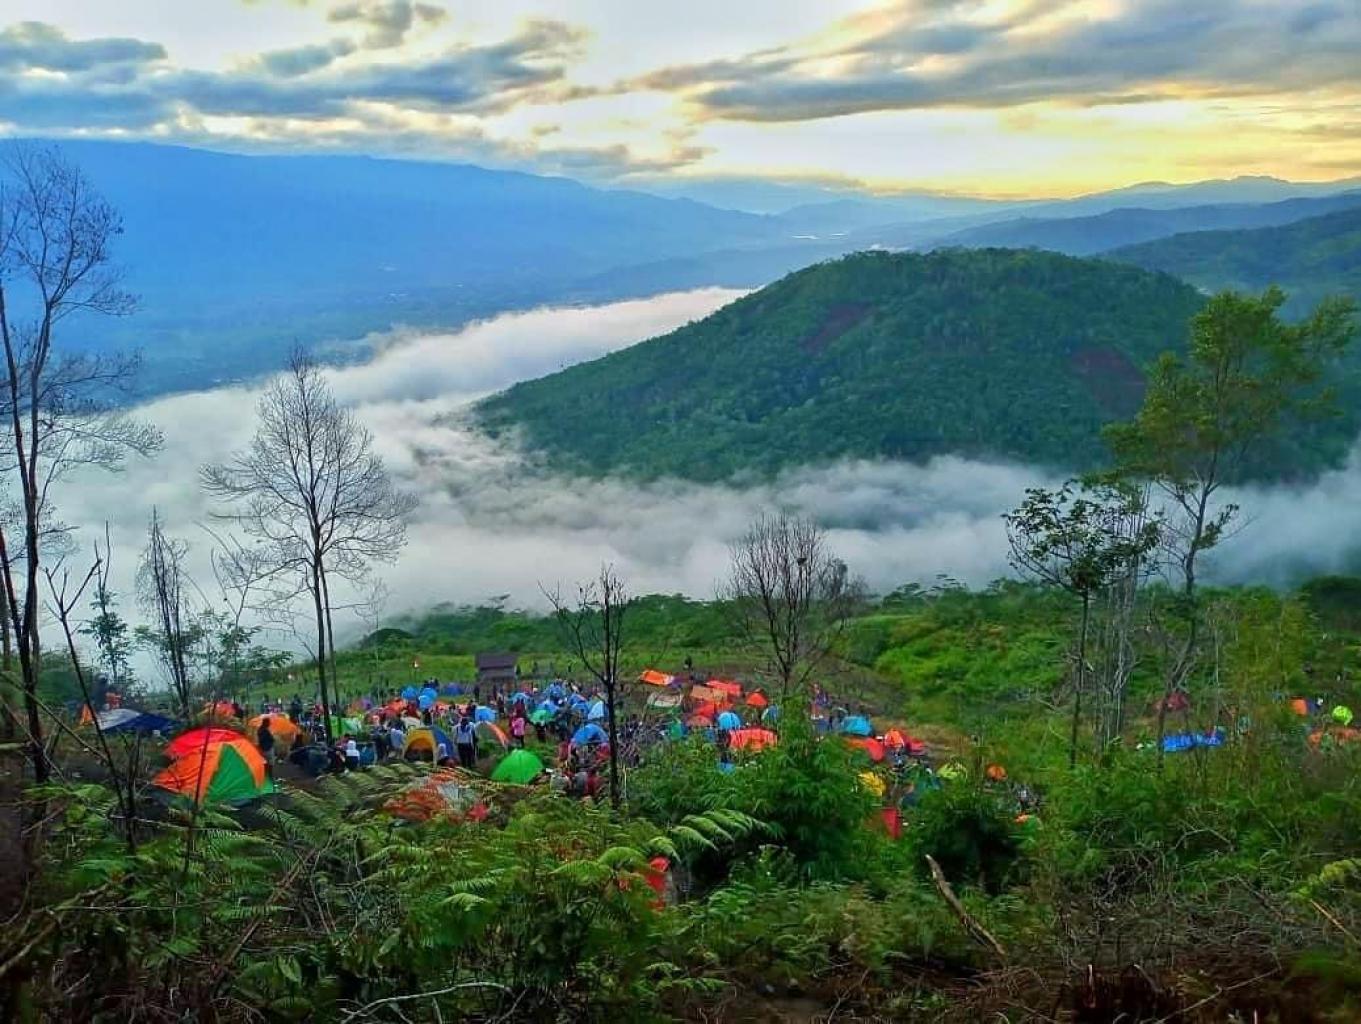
{"x":490,"y":524}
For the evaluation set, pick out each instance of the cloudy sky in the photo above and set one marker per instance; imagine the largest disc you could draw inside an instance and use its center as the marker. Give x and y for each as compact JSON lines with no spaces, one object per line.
{"x":1000,"y":97}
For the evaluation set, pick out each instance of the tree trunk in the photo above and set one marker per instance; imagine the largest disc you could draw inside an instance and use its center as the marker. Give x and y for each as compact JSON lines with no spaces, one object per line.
{"x":1079,"y":678}
{"x":330,"y":639}
{"x":610,"y":688}
{"x":321,"y":653}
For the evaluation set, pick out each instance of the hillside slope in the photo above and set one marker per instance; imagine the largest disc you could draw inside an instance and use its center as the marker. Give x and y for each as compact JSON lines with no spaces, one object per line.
{"x":975,"y":352}
{"x":1310,"y":258}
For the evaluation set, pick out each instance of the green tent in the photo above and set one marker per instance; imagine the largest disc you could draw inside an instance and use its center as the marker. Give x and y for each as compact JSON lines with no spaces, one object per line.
{"x":541,"y":717}
{"x":346,"y":727}
{"x":518,"y":767}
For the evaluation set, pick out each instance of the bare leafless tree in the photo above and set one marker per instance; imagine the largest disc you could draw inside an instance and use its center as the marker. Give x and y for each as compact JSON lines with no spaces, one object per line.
{"x":165,"y":591}
{"x":593,"y":626}
{"x":312,"y":491}
{"x":790,"y":597}
{"x":55,"y":263}
{"x":123,"y":774}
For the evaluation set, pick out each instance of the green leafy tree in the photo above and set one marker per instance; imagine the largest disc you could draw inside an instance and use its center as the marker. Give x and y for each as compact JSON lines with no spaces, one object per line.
{"x":1206,"y":416}
{"x":1080,"y":540}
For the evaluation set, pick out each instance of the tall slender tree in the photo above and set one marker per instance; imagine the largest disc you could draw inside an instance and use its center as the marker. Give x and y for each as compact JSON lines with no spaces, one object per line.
{"x":314,"y":494}
{"x":593,"y":626}
{"x":1078,"y":539}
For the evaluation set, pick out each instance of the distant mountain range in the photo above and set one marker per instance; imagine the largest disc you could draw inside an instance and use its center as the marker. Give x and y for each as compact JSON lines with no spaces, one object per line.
{"x":236,"y":258}
{"x":1084,"y":236}
{"x":1310,"y":258}
{"x":990,"y":352}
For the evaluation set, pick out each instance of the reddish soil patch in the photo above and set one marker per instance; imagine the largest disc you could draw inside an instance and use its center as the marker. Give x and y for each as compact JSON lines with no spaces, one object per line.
{"x":1111,"y":378}
{"x":839,"y":319}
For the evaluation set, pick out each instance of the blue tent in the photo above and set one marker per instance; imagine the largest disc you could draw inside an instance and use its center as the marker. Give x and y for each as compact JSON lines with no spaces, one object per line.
{"x":522,"y":698}
{"x":771,"y":713}
{"x":857,"y":725}
{"x":129,"y":720}
{"x":451,"y":689}
{"x":429,"y":691}
{"x":588,"y":732}
{"x":597,"y":711}
{"x":726,"y":766}
{"x":426,"y":702}
{"x":410,"y":693}
{"x":484,"y":714}
{"x":548,"y":706}
{"x":729,"y":720}
{"x":555,"y":690}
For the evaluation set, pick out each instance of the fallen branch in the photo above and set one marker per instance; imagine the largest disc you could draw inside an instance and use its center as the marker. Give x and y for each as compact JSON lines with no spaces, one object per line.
{"x":975,"y":930}
{"x":366,"y":1008}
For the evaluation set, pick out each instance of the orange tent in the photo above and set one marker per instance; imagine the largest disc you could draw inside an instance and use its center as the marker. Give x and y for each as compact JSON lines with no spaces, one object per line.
{"x":86,"y":717}
{"x":654,"y":678}
{"x":709,"y":694}
{"x":225,"y":771}
{"x":222,"y":709}
{"x":1300,"y":706}
{"x":194,"y":740}
{"x":751,"y":739}
{"x":996,"y":773}
{"x":733,"y":690}
{"x":280,"y":726}
{"x":700,"y":722}
{"x":757,"y":699}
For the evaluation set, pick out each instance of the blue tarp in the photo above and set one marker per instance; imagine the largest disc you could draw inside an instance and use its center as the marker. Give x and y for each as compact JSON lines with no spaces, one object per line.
{"x":484,"y":714}
{"x":588,"y":732}
{"x":1190,"y":740}
{"x":857,"y":725}
{"x":729,"y":720}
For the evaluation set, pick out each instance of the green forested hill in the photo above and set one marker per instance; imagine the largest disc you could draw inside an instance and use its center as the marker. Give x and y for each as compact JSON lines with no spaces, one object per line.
{"x":987,"y":352}
{"x":1310,"y":259}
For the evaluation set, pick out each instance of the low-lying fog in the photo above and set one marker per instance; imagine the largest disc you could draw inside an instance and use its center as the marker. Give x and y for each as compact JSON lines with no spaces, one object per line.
{"x":487,"y":526}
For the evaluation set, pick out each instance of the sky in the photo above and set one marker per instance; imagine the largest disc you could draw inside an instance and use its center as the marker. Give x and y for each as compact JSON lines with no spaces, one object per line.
{"x":984,"y":97}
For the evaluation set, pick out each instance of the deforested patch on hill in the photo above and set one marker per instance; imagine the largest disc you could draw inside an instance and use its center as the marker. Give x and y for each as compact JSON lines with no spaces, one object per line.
{"x":988,"y":353}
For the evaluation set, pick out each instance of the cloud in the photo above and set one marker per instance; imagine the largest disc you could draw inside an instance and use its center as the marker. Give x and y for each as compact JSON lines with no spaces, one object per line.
{"x":491,"y":521}
{"x":387,"y":21}
{"x":303,"y":60}
{"x":912,"y":55}
{"x":33,"y":45}
{"x":115,"y":83}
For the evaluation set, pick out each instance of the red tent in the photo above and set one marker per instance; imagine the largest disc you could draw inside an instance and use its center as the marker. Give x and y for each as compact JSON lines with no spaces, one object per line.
{"x":699,"y":722}
{"x":708,"y":709}
{"x":873,"y":747}
{"x":752,"y":739}
{"x":757,"y":699}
